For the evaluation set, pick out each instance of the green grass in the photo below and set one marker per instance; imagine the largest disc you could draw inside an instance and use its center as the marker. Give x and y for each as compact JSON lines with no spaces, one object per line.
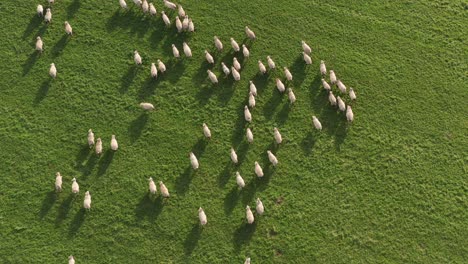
{"x":391,"y":187}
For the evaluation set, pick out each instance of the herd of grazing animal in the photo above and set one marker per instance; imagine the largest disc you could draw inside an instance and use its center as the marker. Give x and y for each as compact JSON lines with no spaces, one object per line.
{"x":186,"y":24}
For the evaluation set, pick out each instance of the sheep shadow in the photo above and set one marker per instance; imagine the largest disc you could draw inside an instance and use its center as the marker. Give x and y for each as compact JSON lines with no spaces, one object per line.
{"x":283,"y":114}
{"x":231,"y":200}
{"x":90,"y":164}
{"x":239,"y":127}
{"x":158,"y":35}
{"x":128,"y":78}
{"x":77,"y":222}
{"x":84,"y":153}
{"x":73,"y":8}
{"x":307,"y":144}
{"x":227,"y":91}
{"x":149,"y":86}
{"x":249,"y":190}
{"x":271,"y":105}
{"x":33,"y":23}
{"x":60,"y":45}
{"x":260,"y":81}
{"x":136,"y":21}
{"x":204,"y":93}
{"x":199,"y":148}
{"x":184,"y":180}
{"x":42,"y":92}
{"x":243,"y":234}
{"x":225,"y":175}
{"x":150,"y":208}
{"x":201,"y":75}
{"x":47,"y":203}
{"x":29,"y":63}
{"x":136,"y":126}
{"x":299,"y":71}
{"x":63,"y":210}
{"x":176,"y":69}
{"x":105,"y":162}
{"x":192,"y":239}
{"x":242,"y":152}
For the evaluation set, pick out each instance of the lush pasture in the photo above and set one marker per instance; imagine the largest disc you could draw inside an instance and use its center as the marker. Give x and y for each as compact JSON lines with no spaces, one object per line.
{"x":391,"y":187}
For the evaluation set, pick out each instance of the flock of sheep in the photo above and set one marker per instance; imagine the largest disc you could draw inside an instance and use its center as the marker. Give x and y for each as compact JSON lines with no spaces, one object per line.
{"x":188,"y":25}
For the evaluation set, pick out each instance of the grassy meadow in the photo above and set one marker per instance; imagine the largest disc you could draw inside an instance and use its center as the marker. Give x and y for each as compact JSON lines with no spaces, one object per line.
{"x":389,"y":188}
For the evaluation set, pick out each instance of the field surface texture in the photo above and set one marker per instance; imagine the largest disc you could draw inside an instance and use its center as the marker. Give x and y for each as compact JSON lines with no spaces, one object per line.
{"x":389,"y":188}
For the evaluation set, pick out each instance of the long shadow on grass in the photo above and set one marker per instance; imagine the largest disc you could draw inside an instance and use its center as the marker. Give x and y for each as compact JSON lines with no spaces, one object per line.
{"x":307,"y":144}
{"x":84,"y":153}
{"x":149,"y":207}
{"x":283,"y":114}
{"x":149,"y":87}
{"x":192,"y":238}
{"x":136,"y":126}
{"x":42,"y":92}
{"x":73,"y":8}
{"x":77,"y":222}
{"x":132,"y":19}
{"x":33,"y":23}
{"x":239,"y":127}
{"x":243,"y":234}
{"x":29,"y":63}
{"x":299,"y":71}
{"x":60,"y":45}
{"x":128,"y":78}
{"x":47,"y":203}
{"x":248,"y":192}
{"x":261,"y":82}
{"x":105,"y":162}
{"x":184,"y":180}
{"x":226,"y":90}
{"x":231,"y":200}
{"x":225,"y":175}
{"x":64,"y":209}
{"x":271,"y":105}
{"x":199,"y":148}
{"x":176,"y":69}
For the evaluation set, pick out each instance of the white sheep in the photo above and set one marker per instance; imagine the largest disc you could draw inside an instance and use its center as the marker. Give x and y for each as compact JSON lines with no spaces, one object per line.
{"x":51,"y":1}
{"x":250,"y":34}
{"x":178,"y":24}
{"x":145,"y":6}
{"x":261,"y":67}
{"x":161,"y":66}
{"x":75,"y":187}
{"x":323,"y":68}
{"x":272,"y":158}
{"x":87,"y":201}
{"x":164,"y":190}
{"x":306,"y":47}
{"x":317,"y":123}
{"x":332,"y":77}
{"x":252,"y":88}
{"x":114,"y":145}
{"x":234,"y":156}
{"x":280,"y":85}
{"x":212,"y":77}
{"x":235,"y":74}
{"x":48,"y":16}
{"x":193,"y":161}
{"x":236,"y":64}
{"x":352,"y":94}
{"x":137,"y":2}
{"x":40,"y":10}
{"x":187,"y":50}
{"x":137,"y":58}
{"x":249,"y":215}
{"x":258,"y":170}
{"x":181,"y":11}
{"x":331,"y":98}
{"x":123,"y":4}
{"x":175,"y":51}
{"x":325,"y":85}
{"x":349,"y":114}
{"x":234,"y":45}
{"x":291,"y":96}
{"x":185,"y":23}
{"x":71,"y":260}
{"x":39,"y":44}
{"x":58,"y":182}
{"x":206,"y":131}
{"x":260,"y":209}
{"x":152,"y":186}
{"x":90,"y":138}
{"x":245,"y":51}
{"x":271,"y":63}
{"x":249,"y":135}
{"x":166,"y":19}
{"x":341,"y":86}
{"x":147,"y":106}
{"x":98,"y":146}
{"x":154,"y":70}
{"x":251,"y":100}
{"x":307,"y":58}
{"x":247,"y":261}
{"x":152,"y":9}
{"x":247,"y":114}
{"x":53,"y":70}
{"x":240,"y":182}
{"x":277,"y":136}
{"x":208,"y":57}
{"x":341,"y":104}
{"x":191,"y":25}
{"x":218,"y":43}
{"x":225,"y":69}
{"x":288,"y":74}
{"x":202,"y":216}
{"x":170,"y":5}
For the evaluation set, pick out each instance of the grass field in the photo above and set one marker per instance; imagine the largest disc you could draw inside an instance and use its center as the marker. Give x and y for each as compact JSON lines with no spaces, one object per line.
{"x":390,"y":188}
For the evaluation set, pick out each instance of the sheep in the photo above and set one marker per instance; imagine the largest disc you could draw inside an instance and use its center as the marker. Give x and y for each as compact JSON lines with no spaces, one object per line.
{"x":51,"y":1}
{"x":175,"y":51}
{"x":306,"y":47}
{"x":161,"y":66}
{"x":352,"y":94}
{"x":98,"y":146}
{"x":258,"y":170}
{"x":235,"y":74}
{"x":58,"y":182}
{"x":249,"y":215}
{"x":307,"y":58}
{"x":332,"y":77}
{"x":325,"y":85}
{"x":154,"y":70}
{"x":39,"y":44}
{"x":259,"y":208}
{"x":245,"y":51}
{"x":251,"y":100}
{"x":90,"y":138}
{"x":349,"y":114}
{"x":114,"y":145}
{"x":288,"y":74}
{"x":181,"y":11}
{"x":206,"y":131}
{"x":234,"y":45}
{"x":261,"y":67}
{"x":87,"y":201}
{"x":225,"y":69}
{"x":247,"y":114}
{"x":152,"y":187}
{"x":48,"y":16}
{"x":212,"y":77}
{"x":252,"y":88}
{"x":271,"y":63}
{"x":152,"y":9}
{"x":71,"y":260}
{"x":164,"y":190}
{"x":236,"y":64}
{"x":166,"y":19}
{"x":123,"y":4}
{"x":280,"y":85}
{"x":272,"y":158}
{"x":147,"y":106}
{"x":202,"y":216}
{"x":75,"y":187}
{"x":250,"y":34}
{"x":291,"y":96}
{"x":191,"y":26}
{"x":240,"y":182}
{"x":341,"y":86}
{"x":317,"y":123}
{"x":247,"y":261}
{"x":187,"y":50}
{"x":208,"y":57}
{"x":40,"y":10}
{"x":170,"y":5}
{"x":218,"y":43}
{"x":249,"y":135}
{"x":234,"y":156}
{"x":323,"y":68}
{"x":341,"y":104}
{"x":331,"y":98}
{"x":193,"y":161}
{"x":178,"y":24}
{"x":145,"y":6}
{"x":185,"y":23}
{"x":53,"y":70}
{"x":277,"y":136}
{"x":137,"y":2}
{"x":137,"y":58}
